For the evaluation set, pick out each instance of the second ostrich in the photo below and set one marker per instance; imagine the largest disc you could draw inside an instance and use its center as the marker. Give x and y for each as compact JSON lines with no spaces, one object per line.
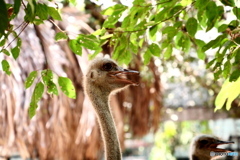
{"x":204,"y":147}
{"x":103,"y":77}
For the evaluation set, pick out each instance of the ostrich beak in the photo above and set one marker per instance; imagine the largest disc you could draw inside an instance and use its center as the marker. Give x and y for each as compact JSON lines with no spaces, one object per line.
{"x":213,"y":146}
{"x":121,"y":76}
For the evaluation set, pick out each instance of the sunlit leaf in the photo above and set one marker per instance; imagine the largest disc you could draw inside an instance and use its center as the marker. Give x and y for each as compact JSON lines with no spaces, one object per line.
{"x":29,"y":81}
{"x":168,"y":52}
{"x":67,"y":87}
{"x":228,"y":92}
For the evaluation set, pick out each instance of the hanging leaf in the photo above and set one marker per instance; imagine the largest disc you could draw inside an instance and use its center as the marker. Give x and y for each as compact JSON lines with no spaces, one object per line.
{"x":47,"y":76}
{"x":89,"y":41}
{"x":60,"y":36}
{"x":6,"y":67}
{"x":67,"y":87}
{"x":15,"y":52}
{"x":236,"y":11}
{"x":37,"y":93}
{"x":6,"y":52}
{"x":30,"y":79}
{"x":42,"y":11}
{"x":3,"y":17}
{"x":228,"y":92}
{"x":234,"y":76}
{"x":32,"y":109}
{"x":53,"y":12}
{"x":191,"y":26}
{"x":16,"y":7}
{"x":75,"y":46}
{"x":52,"y":88}
{"x":168,"y":52}
{"x":154,"y":49}
{"x":147,"y":57}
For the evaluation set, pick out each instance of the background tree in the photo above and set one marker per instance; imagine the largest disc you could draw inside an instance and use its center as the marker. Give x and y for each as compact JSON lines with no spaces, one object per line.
{"x":136,"y":34}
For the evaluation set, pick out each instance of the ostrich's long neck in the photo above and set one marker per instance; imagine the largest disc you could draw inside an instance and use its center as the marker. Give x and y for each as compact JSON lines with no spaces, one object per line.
{"x":200,"y":157}
{"x":100,"y":102}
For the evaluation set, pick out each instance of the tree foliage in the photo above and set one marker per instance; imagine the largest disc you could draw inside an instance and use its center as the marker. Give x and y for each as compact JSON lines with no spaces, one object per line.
{"x":152,"y":30}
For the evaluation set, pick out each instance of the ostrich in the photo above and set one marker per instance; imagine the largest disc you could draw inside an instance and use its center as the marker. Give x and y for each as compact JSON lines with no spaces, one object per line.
{"x":103,"y":77}
{"x":204,"y":147}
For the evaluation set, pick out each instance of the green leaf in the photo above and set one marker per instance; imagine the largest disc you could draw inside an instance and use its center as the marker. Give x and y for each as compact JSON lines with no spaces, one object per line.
{"x":114,"y":10}
{"x":47,"y":76}
{"x":52,"y":88}
{"x":154,"y":49}
{"x":36,"y":96}
{"x":89,"y":41}
{"x":6,"y":67}
{"x":213,"y":43}
{"x":42,"y":11}
{"x":227,"y":69}
{"x":222,"y":28}
{"x":171,"y":31}
{"x":191,"y":26}
{"x":6,"y":52}
{"x":75,"y":46}
{"x":15,"y":52}
{"x":67,"y":87}
{"x":30,"y":11}
{"x":60,"y":36}
{"x":30,"y":79}
{"x":32,"y":109}
{"x":228,"y":92}
{"x":200,"y":44}
{"x":209,"y":64}
{"x":236,"y":11}
{"x":234,"y":76}
{"x":16,"y":7}
{"x":2,"y":42}
{"x":3,"y":17}
{"x":147,"y":57}
{"x":37,"y":93}
{"x":168,"y":52}
{"x":228,"y":3}
{"x":201,"y":4}
{"x":53,"y":12}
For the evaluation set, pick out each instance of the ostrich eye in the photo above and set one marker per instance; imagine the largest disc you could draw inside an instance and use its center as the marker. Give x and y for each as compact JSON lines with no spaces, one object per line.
{"x":107,"y":67}
{"x":203,"y":141}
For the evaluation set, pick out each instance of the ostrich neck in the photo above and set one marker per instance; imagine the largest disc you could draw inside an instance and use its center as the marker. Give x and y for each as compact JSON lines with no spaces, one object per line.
{"x":100,"y":102}
{"x":200,"y":157}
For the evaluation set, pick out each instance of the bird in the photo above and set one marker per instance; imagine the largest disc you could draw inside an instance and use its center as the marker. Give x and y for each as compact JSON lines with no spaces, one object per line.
{"x":103,"y":78}
{"x":204,"y":147}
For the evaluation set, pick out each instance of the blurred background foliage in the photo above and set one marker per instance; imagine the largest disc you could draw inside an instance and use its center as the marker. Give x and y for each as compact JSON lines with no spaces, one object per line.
{"x":186,"y":50}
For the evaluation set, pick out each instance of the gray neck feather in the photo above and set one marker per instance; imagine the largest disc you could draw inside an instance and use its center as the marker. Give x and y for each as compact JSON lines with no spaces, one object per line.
{"x":100,"y":101}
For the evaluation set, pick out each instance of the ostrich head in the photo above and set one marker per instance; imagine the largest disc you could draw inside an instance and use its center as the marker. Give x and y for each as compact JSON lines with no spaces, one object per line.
{"x":203,"y":147}
{"x":106,"y":75}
